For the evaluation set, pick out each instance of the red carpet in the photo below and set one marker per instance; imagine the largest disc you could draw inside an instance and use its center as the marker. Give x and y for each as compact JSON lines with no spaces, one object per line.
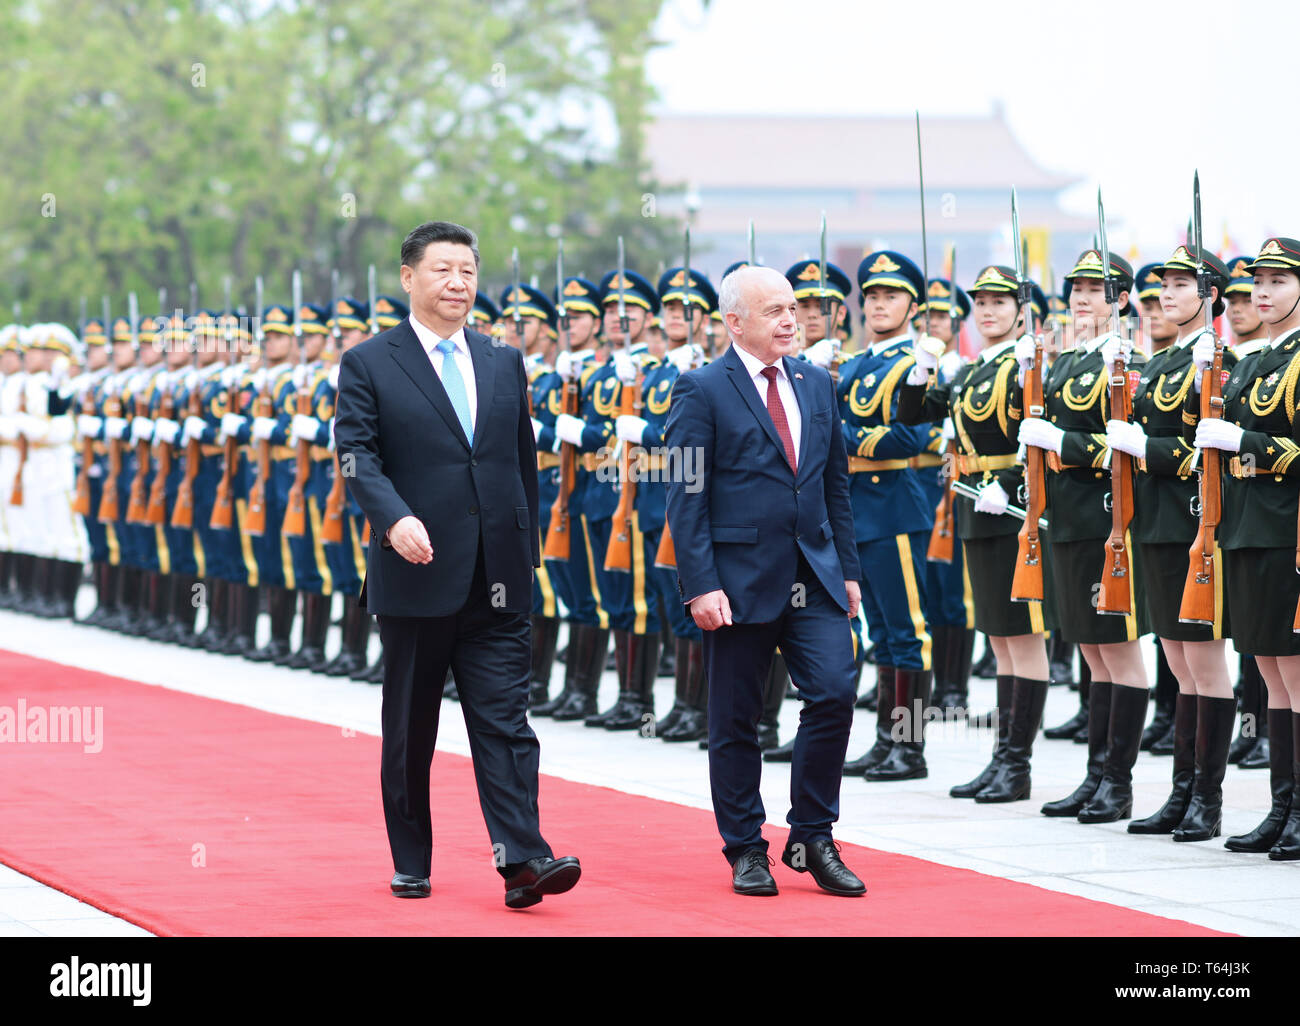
{"x":200,"y":817}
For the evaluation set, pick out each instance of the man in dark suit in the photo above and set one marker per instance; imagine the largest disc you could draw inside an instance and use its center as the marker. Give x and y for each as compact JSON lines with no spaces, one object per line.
{"x":433,"y":434}
{"x":766,"y":557}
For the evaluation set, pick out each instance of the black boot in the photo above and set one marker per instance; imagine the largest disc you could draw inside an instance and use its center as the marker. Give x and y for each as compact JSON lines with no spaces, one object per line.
{"x":216,"y":630}
{"x":1060,"y":661}
{"x":548,"y":708}
{"x":69,"y":575}
{"x":586,"y":662}
{"x":184,"y":612}
{"x":1248,"y":692}
{"x":620,"y":669}
{"x":356,"y":639}
{"x":154,"y":600}
{"x":667,"y":648}
{"x":1264,"y":836}
{"x":866,"y":700}
{"x":1204,"y":816}
{"x":681,"y":688}
{"x":1085,"y":684}
{"x":638,"y":706}
{"x":1114,"y":798}
{"x":242,"y":609}
{"x":1006,"y":685}
{"x":1010,"y":781}
{"x":939,"y":662}
{"x":6,"y":577}
{"x":545,"y":633}
{"x":1098,"y":731}
{"x":1257,"y":756}
{"x":97,"y":614}
{"x":1162,"y":723}
{"x":122,"y":619}
{"x":987,"y":665}
{"x":951,"y":662}
{"x":44,"y":584}
{"x":24,"y":582}
{"x":1287,"y":846}
{"x":315,"y":628}
{"x":906,"y":758}
{"x":290,"y":597}
{"x":693,"y":724}
{"x":281,"y":603}
{"x":778,"y":679}
{"x":1077,"y":722}
{"x":885,"y":679}
{"x":1167,"y":818}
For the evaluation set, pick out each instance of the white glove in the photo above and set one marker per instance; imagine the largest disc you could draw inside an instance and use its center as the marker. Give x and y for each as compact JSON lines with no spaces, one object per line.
{"x":305,"y":427}
{"x":629,"y":428}
{"x":537,"y":428}
{"x":927,"y":350}
{"x":331,"y":445}
{"x":1024,"y":355}
{"x":194,"y":428}
{"x":1216,"y":433}
{"x":949,"y":430}
{"x":624,"y":367}
{"x":684,"y":357}
{"x":232,"y":424}
{"x":334,"y":377}
{"x":819,"y":354}
{"x":259,"y":379}
{"x":32,"y":427}
{"x":88,"y":426}
{"x":1128,"y":438}
{"x":1203,"y":351}
{"x":1035,"y":431}
{"x":992,"y":499}
{"x":1115,"y":349}
{"x":568,"y":366}
{"x":569,"y":429}
{"x":141,"y":428}
{"x":115,"y":427}
{"x":262,"y":427}
{"x":231,"y":375}
{"x":165,"y":430}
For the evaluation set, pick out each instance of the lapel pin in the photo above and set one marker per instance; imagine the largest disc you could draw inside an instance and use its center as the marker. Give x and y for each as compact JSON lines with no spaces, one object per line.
{"x":799,"y":376}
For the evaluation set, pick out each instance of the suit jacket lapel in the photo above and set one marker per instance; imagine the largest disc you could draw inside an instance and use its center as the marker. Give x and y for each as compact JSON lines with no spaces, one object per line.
{"x":745,"y":386}
{"x":414,"y":361}
{"x":482,"y":354}
{"x":804,"y":398}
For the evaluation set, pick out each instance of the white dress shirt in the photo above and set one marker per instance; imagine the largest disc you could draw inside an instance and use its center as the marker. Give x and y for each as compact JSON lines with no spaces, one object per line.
{"x":754,"y":366}
{"x":429,"y":339}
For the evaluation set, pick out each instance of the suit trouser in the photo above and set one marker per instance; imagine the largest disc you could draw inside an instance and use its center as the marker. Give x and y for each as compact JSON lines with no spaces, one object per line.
{"x":817,"y":644}
{"x":893,"y":599}
{"x":489,"y":653}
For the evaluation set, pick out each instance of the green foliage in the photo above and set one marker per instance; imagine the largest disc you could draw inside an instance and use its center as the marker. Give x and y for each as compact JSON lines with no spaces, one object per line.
{"x":187,"y":141}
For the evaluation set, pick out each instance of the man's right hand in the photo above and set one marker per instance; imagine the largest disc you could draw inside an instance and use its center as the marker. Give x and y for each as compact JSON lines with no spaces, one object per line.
{"x":411,"y":540}
{"x":711,"y":610}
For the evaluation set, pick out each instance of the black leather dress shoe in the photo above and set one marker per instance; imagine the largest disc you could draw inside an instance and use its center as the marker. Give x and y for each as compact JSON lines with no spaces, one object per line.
{"x":749,"y":874}
{"x":822,"y":859}
{"x":529,"y":882}
{"x":409,"y":886}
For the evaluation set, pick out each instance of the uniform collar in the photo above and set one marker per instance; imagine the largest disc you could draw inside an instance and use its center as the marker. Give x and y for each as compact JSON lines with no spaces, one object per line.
{"x":878,"y":348}
{"x":993,"y":352}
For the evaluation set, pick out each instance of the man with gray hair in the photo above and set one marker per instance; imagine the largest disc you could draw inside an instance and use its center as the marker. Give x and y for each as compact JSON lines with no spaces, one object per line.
{"x":766,"y":557}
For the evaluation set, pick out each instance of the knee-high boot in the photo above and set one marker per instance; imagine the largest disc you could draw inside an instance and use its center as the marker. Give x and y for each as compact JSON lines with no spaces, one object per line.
{"x":1006,"y":685}
{"x":1099,"y":700}
{"x":885,"y":683}
{"x":545,"y":633}
{"x":1010,"y":781}
{"x":1204,"y":816}
{"x":681,"y":688}
{"x":1167,"y":818}
{"x":1264,"y":836}
{"x":693,"y":724}
{"x":905,"y":759}
{"x":1114,"y":798}
{"x":778,"y":679}
{"x":1287,"y":846}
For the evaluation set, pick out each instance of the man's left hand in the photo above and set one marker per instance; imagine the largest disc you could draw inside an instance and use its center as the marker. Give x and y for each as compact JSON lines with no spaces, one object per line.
{"x":855,"y":597}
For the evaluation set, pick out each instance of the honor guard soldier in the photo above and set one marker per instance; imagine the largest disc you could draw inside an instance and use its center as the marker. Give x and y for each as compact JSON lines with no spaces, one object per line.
{"x":949,"y":613}
{"x":15,"y":578}
{"x":621,"y":594}
{"x":686,"y":304}
{"x":1155,"y":326}
{"x":1250,"y":748}
{"x":1072,"y":433}
{"x":344,"y":556}
{"x":86,"y":390}
{"x":1258,"y":437}
{"x":526,"y":316}
{"x":892,"y":517}
{"x":573,"y":578}
{"x":1163,"y":528}
{"x":484,"y":315}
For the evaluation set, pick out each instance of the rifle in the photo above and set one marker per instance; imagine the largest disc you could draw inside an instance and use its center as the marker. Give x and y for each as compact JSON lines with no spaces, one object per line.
{"x":108,"y":507}
{"x":942,"y":549}
{"x":1200,"y":591}
{"x":16,"y":496}
{"x":666,"y":553}
{"x":81,"y":504}
{"x":558,"y":534}
{"x":255,"y":522}
{"x":1115,"y":596}
{"x":619,"y":554}
{"x":295,"y":512}
{"x":137,"y":508}
{"x":1027,"y":584}
{"x":828,"y":310}
{"x":156,"y":511}
{"x":183,"y":512}
{"x":223,"y":508}
{"x":331,"y":529}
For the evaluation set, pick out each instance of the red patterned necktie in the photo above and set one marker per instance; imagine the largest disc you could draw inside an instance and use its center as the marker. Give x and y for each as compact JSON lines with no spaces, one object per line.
{"x":776,"y":410}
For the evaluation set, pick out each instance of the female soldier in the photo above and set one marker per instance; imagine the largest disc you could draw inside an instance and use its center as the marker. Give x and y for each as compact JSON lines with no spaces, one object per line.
{"x":983,"y":400}
{"x":1073,"y":431}
{"x":1260,"y":431}
{"x":1163,"y":529}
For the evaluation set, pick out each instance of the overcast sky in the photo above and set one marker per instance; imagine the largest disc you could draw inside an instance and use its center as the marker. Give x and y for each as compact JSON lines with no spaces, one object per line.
{"x":1131,"y":96}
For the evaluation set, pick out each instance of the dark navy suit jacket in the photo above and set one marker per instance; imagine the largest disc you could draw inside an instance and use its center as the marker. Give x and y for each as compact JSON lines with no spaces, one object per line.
{"x":741,"y":525}
{"x":411,"y":457}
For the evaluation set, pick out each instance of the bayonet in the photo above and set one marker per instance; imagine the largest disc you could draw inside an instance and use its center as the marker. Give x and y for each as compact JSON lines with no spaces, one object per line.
{"x":821,"y":282}
{"x":334,"y":299}
{"x":559,"y":294}
{"x":925,"y":249}
{"x":370,"y":295}
{"x":106,"y":310}
{"x":297,"y":304}
{"x":753,"y":257}
{"x":687,"y":306}
{"x":257,"y":310}
{"x":133,"y":316}
{"x":81,"y":322}
{"x":622,"y":305}
{"x":228,"y":314}
{"x":514,"y":300}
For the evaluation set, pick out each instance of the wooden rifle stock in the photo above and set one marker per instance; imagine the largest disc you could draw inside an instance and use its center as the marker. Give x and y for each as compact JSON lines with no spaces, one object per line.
{"x":183,"y":514}
{"x":156,"y":513}
{"x":941,"y":535}
{"x":16,"y":496}
{"x":618,"y":556}
{"x":223,"y":509}
{"x":666,"y":554}
{"x":1200,"y":599}
{"x":108,"y":512}
{"x":559,"y":534}
{"x":1027,"y":584}
{"x":331,"y":529}
{"x":295,"y":512}
{"x":137,"y":507}
{"x":255,"y":522}
{"x":1115,"y":594}
{"x":81,"y":505}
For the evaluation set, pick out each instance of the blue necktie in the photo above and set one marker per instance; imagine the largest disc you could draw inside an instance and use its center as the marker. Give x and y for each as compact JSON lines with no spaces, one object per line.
{"x":455,"y":386}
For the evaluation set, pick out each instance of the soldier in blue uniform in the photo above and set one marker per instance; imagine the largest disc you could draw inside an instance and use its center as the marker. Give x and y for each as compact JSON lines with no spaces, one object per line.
{"x":574,"y":579}
{"x":622,"y":596}
{"x":87,"y":399}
